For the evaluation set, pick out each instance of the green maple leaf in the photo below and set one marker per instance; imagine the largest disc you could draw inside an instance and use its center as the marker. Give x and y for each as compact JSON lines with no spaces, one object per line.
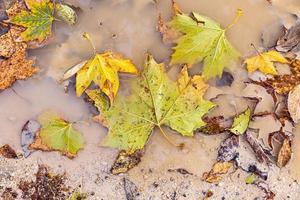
{"x":155,"y":101}
{"x":37,"y":21}
{"x":58,"y":134}
{"x":204,"y":40}
{"x":241,"y":122}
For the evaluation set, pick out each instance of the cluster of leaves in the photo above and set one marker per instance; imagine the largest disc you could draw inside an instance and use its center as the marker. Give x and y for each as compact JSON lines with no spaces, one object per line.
{"x":28,"y":25}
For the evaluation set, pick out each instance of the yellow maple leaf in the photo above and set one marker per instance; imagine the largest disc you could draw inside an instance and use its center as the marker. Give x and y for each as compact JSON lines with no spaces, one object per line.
{"x":103,"y":70}
{"x":264,"y":62}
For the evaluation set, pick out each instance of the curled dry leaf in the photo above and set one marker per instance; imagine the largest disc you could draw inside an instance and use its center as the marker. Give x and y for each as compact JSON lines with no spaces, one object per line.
{"x":126,"y":160}
{"x":264,"y":62}
{"x":294,"y":104}
{"x":155,"y":101}
{"x":17,"y":67}
{"x":228,"y":149}
{"x":56,"y":134}
{"x":285,"y":153}
{"x":291,"y":40}
{"x":261,"y":153}
{"x":215,"y":175}
{"x":203,"y":39}
{"x":8,"y":152}
{"x":28,"y":135}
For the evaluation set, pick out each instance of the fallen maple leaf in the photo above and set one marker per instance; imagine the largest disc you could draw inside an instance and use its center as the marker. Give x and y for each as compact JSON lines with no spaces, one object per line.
{"x":203,"y":40}
{"x":37,"y":21}
{"x":17,"y":67}
{"x":58,"y":134}
{"x":155,"y":101}
{"x":264,"y":62}
{"x":241,"y":122}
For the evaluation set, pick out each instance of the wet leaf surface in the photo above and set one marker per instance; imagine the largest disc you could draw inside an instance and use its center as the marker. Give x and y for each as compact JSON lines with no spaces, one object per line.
{"x":28,"y":136}
{"x":156,"y":100}
{"x":290,"y":41}
{"x":126,"y":160}
{"x":228,"y":149}
{"x":131,"y":190}
{"x":241,"y":122}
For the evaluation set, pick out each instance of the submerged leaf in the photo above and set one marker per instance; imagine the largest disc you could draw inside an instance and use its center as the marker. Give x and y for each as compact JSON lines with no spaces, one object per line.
{"x":103,"y":70}
{"x":28,"y":135}
{"x":155,"y":101}
{"x":37,"y":21}
{"x":241,"y":122}
{"x":203,"y":40}
{"x":228,"y":150}
{"x":264,"y":62}
{"x":65,"y":13}
{"x":58,"y":134}
{"x":291,"y":40}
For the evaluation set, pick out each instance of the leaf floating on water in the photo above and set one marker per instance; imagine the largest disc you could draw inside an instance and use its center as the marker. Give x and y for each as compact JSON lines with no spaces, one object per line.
{"x":264,"y":62}
{"x":56,"y":134}
{"x":7,"y":152}
{"x":241,"y":122}
{"x":294,"y":104}
{"x":156,"y":101}
{"x":215,"y":175}
{"x":285,"y":153}
{"x":65,"y":13}
{"x":28,"y":135}
{"x":37,"y":21}
{"x":126,"y":160}
{"x":17,"y":67}
{"x":102,"y":69}
{"x":203,"y":40}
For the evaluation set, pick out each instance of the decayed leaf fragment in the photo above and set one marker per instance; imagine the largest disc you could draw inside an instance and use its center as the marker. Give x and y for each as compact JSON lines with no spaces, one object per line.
{"x":204,"y":40}
{"x":155,"y":101}
{"x":215,"y":175}
{"x":126,"y":160}
{"x":241,"y":122}
{"x":58,"y":135}
{"x":264,"y":62}
{"x":37,"y":21}
{"x":17,"y":67}
{"x":290,"y":41}
{"x":102,"y":69}
{"x":294,"y":104}
{"x":285,"y":153}
{"x":8,"y":152}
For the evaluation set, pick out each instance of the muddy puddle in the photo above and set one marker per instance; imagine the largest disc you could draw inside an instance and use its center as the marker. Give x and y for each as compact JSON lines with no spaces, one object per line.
{"x":129,"y":27}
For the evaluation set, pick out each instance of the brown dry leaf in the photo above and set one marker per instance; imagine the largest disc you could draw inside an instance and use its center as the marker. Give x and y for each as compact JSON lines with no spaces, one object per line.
{"x":17,"y":67}
{"x":285,"y":153}
{"x":215,"y":174}
{"x":283,"y":84}
{"x":294,"y":104}
{"x":8,"y":152}
{"x":125,"y":161}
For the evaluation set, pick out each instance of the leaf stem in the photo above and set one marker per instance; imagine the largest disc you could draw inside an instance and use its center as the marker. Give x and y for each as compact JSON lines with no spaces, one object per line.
{"x":256,"y":49}
{"x":89,"y":39}
{"x":168,"y":139}
{"x":238,"y":15}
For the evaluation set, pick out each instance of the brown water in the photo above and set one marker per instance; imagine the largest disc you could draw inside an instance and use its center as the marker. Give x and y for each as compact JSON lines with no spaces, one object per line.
{"x":129,"y":27}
